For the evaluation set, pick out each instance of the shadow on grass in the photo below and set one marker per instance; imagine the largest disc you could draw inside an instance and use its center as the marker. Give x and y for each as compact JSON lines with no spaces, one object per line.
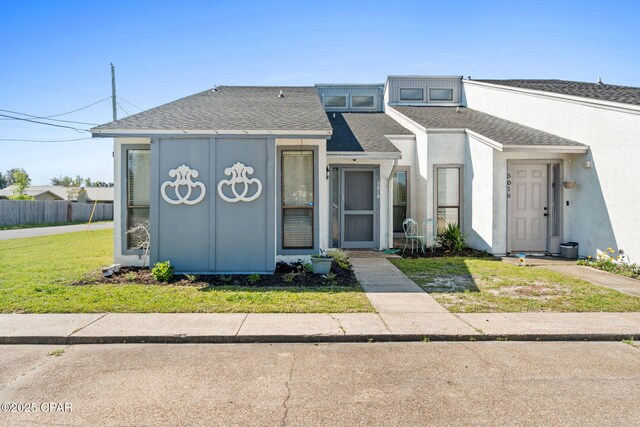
{"x":450,"y":274}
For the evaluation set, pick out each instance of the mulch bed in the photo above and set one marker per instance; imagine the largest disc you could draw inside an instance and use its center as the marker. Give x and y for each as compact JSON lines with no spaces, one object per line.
{"x":441,"y":252}
{"x":344,"y":277}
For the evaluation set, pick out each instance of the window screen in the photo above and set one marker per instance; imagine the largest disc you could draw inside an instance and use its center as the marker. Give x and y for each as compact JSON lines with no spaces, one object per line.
{"x":360,"y":101}
{"x":448,"y":196}
{"x":297,"y":199}
{"x":441,"y":94}
{"x":138,"y":192}
{"x":335,"y":101}
{"x":411,"y":95}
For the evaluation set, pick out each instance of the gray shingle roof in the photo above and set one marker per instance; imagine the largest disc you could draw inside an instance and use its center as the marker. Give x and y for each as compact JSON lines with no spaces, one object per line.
{"x":603,"y":92}
{"x":495,"y":128}
{"x":364,"y":132}
{"x":234,"y":108}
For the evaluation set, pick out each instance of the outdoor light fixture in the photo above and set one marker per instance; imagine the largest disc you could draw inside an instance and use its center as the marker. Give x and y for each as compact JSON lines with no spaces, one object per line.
{"x":569,"y":184}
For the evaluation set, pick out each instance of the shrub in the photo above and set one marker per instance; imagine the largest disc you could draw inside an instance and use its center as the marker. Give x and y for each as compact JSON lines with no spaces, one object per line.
{"x":253,"y":278}
{"x":451,"y":238}
{"x":340,"y":257}
{"x":227,"y":280}
{"x":191,"y":277}
{"x":162,"y":271}
{"x":288,"y":277}
{"x":331,"y":279}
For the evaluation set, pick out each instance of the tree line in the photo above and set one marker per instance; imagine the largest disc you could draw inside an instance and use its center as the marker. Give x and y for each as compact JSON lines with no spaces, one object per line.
{"x":19,"y":178}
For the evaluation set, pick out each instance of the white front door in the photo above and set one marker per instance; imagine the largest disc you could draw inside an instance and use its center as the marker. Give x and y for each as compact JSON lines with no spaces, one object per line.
{"x":528,"y":209}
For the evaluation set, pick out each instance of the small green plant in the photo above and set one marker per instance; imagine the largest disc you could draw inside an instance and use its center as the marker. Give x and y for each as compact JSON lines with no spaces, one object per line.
{"x":629,"y":341}
{"x":253,"y":278}
{"x":451,"y":238}
{"x":130,"y":276}
{"x":191,"y":277}
{"x":331,"y":279}
{"x":162,"y":271}
{"x":289,"y":277}
{"x":309,"y":268}
{"x":426,"y":339}
{"x":227,"y":280}
{"x":57,"y":353}
{"x":340,"y":257}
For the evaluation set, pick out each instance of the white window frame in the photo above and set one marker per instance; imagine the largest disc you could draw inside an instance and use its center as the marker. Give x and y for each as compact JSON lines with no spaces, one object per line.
{"x":441,"y":88}
{"x":436,"y":203}
{"x":346,"y":101}
{"x":366,"y":107}
{"x":411,"y":88}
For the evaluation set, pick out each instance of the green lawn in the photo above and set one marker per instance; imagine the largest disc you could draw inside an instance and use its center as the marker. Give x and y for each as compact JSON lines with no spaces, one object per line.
{"x":35,"y":273}
{"x":487,"y":285}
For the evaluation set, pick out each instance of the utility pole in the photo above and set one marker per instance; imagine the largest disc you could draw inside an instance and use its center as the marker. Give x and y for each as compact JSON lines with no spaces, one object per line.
{"x":113,"y":92}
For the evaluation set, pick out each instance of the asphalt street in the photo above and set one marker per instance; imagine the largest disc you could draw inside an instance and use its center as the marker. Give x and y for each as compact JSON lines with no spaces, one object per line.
{"x":434,"y":383}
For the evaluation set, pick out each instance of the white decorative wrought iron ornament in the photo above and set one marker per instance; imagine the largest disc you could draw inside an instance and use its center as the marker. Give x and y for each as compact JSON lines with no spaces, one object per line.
{"x":183,"y":175}
{"x":238,"y":173}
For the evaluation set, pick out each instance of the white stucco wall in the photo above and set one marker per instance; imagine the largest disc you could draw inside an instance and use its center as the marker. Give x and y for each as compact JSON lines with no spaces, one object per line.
{"x":481,"y":215}
{"x":118,"y":243}
{"x":603,"y":206}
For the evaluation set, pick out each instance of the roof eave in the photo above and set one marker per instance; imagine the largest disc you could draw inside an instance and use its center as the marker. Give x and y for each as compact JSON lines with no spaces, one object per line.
{"x":384,"y":155}
{"x":567,"y":149}
{"x":132,"y":133}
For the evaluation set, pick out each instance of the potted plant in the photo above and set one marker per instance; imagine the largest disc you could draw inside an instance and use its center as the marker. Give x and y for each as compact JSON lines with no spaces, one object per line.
{"x":321,"y":263}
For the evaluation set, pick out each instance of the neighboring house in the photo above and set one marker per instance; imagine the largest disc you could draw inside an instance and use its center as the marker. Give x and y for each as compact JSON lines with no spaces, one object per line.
{"x":234,"y":178}
{"x":58,"y":192}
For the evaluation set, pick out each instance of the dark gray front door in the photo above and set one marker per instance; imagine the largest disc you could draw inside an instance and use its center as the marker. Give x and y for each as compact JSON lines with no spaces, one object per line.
{"x":359,"y":214}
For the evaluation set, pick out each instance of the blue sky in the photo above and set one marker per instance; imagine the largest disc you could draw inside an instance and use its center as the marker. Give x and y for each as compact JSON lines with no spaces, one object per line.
{"x":55,"y":55}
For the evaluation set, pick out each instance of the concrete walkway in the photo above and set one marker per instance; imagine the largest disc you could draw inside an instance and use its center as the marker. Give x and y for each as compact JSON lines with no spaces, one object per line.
{"x":401,"y":304}
{"x":620,"y":283}
{"x":46,"y":231}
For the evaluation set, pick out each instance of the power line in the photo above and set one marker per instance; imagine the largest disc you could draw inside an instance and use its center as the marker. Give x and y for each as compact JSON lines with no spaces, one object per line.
{"x":122,"y":108}
{"x":77,"y":109}
{"x":44,"y":140}
{"x":45,"y":118}
{"x":131,"y":103}
{"x":62,"y":114}
{"x":43,"y":123}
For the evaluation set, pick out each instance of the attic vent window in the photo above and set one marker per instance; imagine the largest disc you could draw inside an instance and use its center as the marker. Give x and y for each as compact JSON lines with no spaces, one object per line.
{"x":411,"y":94}
{"x":335,"y":101}
{"x":362,"y":101}
{"x":441,"y":94}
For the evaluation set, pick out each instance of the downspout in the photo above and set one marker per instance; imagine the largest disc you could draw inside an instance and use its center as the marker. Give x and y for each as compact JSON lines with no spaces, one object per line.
{"x":390,"y":204}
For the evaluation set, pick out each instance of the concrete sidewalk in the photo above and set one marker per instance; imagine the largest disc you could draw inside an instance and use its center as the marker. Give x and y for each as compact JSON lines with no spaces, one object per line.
{"x":21,"y":233}
{"x":345,"y":327}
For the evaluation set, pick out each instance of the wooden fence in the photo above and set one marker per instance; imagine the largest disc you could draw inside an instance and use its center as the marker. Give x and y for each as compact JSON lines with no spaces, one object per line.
{"x":16,"y":212}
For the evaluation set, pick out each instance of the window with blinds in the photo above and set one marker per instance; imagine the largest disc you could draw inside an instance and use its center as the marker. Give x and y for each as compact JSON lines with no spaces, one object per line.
{"x":297,"y":199}
{"x":448,"y":196}
{"x":138,"y":192}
